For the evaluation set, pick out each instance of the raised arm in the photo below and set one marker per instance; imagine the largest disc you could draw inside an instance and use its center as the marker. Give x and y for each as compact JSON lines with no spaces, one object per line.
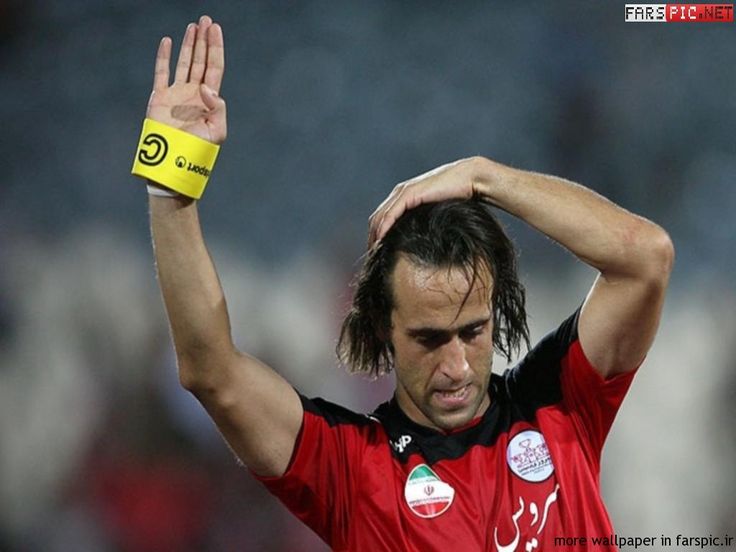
{"x":257,"y":411}
{"x":634,"y":256}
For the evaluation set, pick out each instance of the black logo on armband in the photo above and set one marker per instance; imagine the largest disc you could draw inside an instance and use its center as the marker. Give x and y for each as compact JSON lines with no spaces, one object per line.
{"x":156,"y":150}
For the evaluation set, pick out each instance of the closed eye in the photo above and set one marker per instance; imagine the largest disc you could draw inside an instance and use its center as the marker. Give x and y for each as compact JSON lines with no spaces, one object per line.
{"x":468,"y":334}
{"x":432,"y":340}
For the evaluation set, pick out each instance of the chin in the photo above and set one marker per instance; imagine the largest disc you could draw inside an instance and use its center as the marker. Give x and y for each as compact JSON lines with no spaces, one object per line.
{"x":448,"y":421}
{"x":452,"y":418}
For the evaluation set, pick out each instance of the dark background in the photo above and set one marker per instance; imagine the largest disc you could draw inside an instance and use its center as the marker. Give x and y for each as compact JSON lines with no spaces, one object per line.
{"x":330,"y":105}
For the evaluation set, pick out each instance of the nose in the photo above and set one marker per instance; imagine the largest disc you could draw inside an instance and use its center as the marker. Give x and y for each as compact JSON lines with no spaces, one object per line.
{"x":453,"y":363}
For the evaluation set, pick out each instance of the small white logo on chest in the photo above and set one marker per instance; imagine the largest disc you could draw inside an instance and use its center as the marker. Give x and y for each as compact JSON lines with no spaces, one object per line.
{"x":528,"y":456}
{"x":401,"y":443}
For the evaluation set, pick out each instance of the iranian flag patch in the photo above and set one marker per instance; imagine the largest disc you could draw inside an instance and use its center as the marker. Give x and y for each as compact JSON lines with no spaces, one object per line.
{"x":426,"y":495}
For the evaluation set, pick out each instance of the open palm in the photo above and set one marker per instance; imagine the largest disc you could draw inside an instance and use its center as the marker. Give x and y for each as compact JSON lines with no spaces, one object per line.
{"x":191,"y":103}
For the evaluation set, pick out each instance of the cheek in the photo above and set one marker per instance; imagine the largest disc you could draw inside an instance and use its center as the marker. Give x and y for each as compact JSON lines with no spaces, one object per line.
{"x":413,"y":367}
{"x":480,"y":355}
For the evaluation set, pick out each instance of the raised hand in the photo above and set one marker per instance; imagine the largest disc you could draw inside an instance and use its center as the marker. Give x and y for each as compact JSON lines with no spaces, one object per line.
{"x":192,"y":103}
{"x":457,"y":180}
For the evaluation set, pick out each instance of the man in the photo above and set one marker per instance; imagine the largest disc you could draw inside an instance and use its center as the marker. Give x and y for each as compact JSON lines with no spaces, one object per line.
{"x":459,"y":458}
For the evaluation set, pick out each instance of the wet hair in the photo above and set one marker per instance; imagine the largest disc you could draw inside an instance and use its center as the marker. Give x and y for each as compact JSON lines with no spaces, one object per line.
{"x":450,"y":234}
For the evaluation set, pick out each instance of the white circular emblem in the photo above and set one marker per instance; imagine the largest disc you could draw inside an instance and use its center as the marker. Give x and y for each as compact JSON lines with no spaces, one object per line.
{"x":528,"y":456}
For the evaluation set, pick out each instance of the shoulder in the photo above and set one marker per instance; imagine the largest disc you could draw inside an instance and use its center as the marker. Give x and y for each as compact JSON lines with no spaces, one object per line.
{"x":535,"y":381}
{"x":333,"y":414}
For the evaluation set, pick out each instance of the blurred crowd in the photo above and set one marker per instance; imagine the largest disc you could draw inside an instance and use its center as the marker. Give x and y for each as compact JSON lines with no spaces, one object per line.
{"x":331,"y":104}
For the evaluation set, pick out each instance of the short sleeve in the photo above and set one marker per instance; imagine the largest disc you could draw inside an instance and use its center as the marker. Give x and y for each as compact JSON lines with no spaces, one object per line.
{"x":556,"y":372}
{"x":593,"y":400}
{"x":319,"y":484}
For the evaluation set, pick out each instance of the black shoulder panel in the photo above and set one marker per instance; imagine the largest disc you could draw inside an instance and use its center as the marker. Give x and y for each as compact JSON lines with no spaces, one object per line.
{"x":333,"y":414}
{"x":535,"y":381}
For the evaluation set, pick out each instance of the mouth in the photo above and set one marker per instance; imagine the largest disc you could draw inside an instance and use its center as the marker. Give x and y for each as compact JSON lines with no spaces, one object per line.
{"x":453,"y":398}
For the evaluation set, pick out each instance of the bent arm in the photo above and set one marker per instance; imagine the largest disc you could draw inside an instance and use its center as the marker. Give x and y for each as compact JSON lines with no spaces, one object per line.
{"x":634,"y":256}
{"x":257,"y":411}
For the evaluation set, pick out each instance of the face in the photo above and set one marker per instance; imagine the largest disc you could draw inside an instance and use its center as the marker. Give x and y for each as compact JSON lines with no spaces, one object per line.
{"x":442,"y":354}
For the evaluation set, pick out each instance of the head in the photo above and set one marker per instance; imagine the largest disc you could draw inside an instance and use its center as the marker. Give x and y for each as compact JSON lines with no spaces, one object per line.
{"x":433,"y":300}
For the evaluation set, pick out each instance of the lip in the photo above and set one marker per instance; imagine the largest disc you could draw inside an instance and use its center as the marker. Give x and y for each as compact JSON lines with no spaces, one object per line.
{"x":451,"y":402}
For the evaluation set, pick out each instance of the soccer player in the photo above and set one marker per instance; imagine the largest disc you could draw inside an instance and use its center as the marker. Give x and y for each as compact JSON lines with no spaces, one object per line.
{"x":459,"y":458}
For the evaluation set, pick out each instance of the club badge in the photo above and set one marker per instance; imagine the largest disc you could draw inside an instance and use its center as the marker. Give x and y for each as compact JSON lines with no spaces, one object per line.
{"x":528,"y":456}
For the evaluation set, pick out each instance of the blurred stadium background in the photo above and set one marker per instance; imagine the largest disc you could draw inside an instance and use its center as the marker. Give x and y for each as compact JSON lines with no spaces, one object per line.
{"x":330,"y":104}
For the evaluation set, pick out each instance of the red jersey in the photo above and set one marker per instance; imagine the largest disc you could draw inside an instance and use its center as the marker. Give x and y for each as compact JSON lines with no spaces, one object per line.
{"x":521,"y":475}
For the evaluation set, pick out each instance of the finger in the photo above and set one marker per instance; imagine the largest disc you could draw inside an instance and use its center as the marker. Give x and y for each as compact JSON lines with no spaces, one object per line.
{"x":199,"y":57}
{"x":391,"y":215}
{"x":185,"y":54}
{"x":377,"y":215}
{"x":215,"y":58}
{"x":161,"y":70}
{"x":216,"y":117}
{"x":407,"y":198}
{"x":210,"y":98}
{"x":385,"y":210}
{"x":375,"y":223}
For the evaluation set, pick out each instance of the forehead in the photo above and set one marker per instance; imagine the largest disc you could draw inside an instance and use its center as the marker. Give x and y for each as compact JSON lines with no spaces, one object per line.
{"x":431,"y":296}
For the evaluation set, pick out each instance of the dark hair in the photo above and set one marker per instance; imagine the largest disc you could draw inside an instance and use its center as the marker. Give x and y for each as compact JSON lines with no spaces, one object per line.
{"x":454,"y":233}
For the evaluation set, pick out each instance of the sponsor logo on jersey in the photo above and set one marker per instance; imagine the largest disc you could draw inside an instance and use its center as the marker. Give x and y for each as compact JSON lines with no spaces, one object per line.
{"x":401,"y":443}
{"x":528,"y":456}
{"x":427,"y":495}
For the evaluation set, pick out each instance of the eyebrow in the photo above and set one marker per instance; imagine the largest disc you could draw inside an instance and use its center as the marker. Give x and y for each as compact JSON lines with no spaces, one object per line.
{"x":428,"y":330}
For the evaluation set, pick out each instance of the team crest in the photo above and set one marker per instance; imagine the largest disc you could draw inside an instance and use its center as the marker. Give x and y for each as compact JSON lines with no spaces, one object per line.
{"x":528,"y":457}
{"x":427,"y":495}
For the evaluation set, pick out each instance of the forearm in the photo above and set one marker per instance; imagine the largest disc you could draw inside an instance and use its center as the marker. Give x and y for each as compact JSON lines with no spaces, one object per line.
{"x":192,"y":294}
{"x":600,"y":233}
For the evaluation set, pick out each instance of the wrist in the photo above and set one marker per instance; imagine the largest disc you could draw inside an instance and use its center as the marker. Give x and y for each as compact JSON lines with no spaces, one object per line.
{"x":158,"y":190}
{"x":174,"y":159}
{"x":482,"y":175}
{"x":490,"y":180}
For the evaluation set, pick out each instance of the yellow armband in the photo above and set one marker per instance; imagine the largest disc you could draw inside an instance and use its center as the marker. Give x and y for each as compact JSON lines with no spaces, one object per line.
{"x":174,"y":158}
